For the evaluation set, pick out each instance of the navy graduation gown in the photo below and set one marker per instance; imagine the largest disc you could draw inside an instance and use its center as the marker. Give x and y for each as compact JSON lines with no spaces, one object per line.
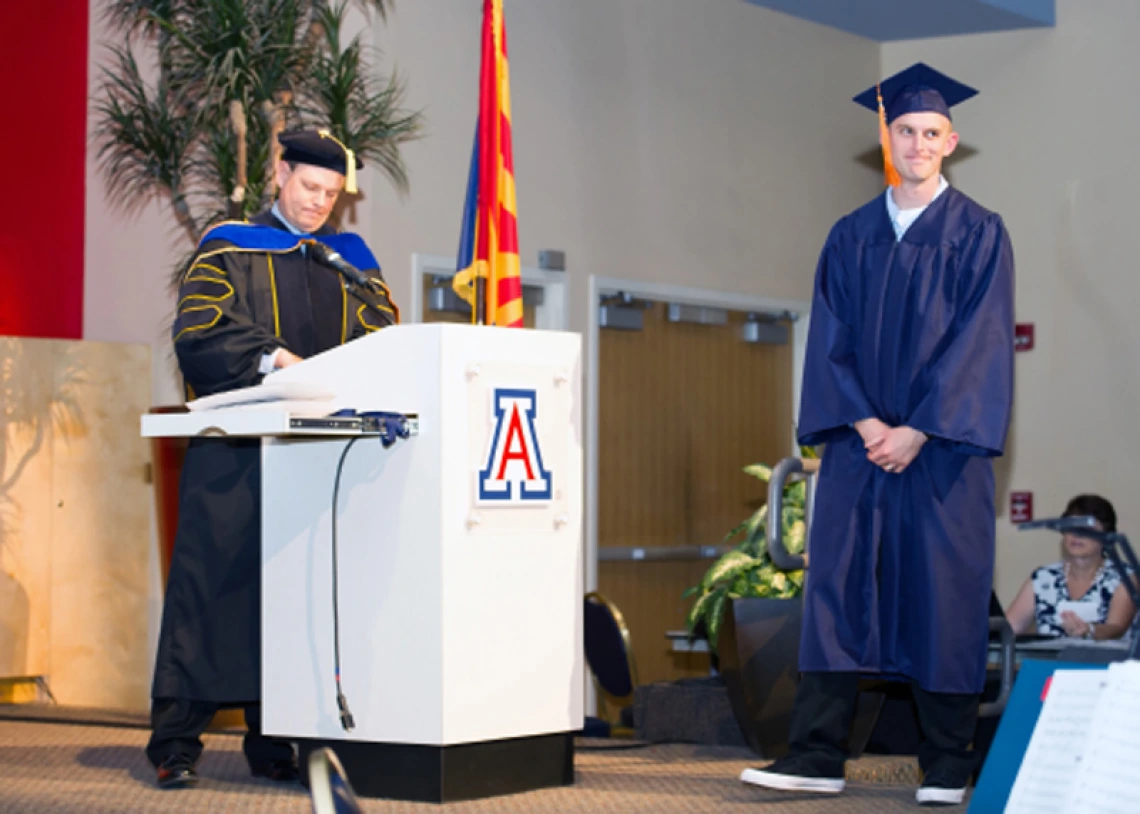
{"x":915,"y":332}
{"x":235,"y":304}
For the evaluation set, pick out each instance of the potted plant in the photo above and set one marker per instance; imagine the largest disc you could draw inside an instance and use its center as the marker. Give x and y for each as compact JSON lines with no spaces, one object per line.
{"x":750,"y":612}
{"x":747,"y":570}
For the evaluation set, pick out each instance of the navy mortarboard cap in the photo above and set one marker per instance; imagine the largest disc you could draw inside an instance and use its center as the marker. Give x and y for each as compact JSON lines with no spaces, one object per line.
{"x":321,"y":149}
{"x":917,"y":89}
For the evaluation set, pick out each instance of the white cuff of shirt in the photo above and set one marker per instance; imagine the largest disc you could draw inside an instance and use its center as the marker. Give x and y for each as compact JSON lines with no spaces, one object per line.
{"x":268,"y":363}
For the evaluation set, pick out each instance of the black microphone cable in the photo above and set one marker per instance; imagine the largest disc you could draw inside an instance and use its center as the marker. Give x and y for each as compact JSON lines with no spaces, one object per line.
{"x":346,"y":719}
{"x":390,"y":428}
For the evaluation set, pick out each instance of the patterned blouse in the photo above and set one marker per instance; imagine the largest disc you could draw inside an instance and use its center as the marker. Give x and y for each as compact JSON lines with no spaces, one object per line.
{"x":1050,"y":588}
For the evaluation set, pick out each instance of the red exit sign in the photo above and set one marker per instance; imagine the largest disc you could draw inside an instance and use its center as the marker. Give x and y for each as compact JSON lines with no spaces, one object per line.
{"x":1023,"y":336}
{"x":1020,"y":507}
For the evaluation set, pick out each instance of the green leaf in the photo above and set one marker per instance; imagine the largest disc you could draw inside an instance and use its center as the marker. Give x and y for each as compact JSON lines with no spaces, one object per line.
{"x":757,"y":530}
{"x":795,"y":494}
{"x":794,"y":537}
{"x":742,"y":585}
{"x":760,"y":471}
{"x":698,"y":610}
{"x":743,"y":526}
{"x":727,"y":567}
{"x":715,"y":615}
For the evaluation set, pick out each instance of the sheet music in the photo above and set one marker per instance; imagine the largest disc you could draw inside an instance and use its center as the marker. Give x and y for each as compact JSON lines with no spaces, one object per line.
{"x":1058,"y":742}
{"x":1108,"y":778}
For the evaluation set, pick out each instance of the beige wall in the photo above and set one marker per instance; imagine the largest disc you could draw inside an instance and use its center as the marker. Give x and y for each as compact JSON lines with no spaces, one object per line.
{"x":130,"y":247}
{"x":708,"y":144}
{"x":1054,"y":128}
{"x":74,"y":519}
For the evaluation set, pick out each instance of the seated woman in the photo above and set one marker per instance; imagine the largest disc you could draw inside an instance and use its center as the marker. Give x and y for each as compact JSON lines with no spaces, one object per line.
{"x":1096,"y":604}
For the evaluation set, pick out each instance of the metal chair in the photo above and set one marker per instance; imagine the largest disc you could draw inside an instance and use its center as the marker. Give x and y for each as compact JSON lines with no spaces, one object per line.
{"x":609,"y":655}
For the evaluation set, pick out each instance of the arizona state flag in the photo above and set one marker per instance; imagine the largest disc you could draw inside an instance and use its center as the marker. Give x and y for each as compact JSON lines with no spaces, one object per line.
{"x":489,"y":242}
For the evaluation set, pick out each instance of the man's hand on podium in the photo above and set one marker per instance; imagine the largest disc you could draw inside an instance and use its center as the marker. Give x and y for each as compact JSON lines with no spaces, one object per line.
{"x":285,"y":358}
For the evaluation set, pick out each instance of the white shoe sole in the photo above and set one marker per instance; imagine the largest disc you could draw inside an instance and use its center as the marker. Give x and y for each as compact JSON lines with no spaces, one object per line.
{"x":937,"y":796}
{"x":792,"y":782}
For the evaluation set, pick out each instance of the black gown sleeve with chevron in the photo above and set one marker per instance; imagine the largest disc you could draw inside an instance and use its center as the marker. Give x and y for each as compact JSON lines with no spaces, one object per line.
{"x":250,"y":289}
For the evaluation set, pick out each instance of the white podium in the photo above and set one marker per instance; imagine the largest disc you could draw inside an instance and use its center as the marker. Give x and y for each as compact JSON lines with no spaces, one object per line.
{"x":460,"y":565}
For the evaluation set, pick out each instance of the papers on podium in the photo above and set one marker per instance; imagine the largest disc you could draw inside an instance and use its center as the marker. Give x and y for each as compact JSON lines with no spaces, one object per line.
{"x":273,"y":408}
{"x":292,"y":396}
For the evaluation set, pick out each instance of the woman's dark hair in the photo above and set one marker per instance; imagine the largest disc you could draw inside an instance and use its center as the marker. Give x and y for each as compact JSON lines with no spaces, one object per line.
{"x":1093,"y":506}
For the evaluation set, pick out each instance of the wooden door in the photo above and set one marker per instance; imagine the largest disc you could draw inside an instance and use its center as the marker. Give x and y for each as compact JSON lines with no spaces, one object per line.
{"x":682,"y":408}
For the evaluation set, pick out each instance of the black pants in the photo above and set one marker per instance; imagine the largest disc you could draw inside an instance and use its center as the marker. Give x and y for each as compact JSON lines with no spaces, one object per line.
{"x":825,"y":705}
{"x":178,"y":725}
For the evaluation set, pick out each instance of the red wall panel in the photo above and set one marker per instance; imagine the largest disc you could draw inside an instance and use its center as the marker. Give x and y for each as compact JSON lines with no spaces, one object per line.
{"x":43,"y":138}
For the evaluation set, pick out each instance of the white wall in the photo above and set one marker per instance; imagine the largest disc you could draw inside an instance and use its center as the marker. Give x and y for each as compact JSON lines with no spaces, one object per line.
{"x":1055,"y":128}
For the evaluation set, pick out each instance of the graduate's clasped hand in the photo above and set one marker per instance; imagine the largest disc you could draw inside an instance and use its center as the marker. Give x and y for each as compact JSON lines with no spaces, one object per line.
{"x":892,"y":448}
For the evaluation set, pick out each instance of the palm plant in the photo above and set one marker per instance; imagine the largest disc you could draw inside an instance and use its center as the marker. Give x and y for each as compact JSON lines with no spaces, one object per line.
{"x":747,"y":570}
{"x":231,"y":75}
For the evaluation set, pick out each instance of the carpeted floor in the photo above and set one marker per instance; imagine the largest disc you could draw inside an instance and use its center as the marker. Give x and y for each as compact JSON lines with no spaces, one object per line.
{"x":57,"y":767}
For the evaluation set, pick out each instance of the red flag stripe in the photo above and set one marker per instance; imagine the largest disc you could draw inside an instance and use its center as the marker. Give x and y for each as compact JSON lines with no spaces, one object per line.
{"x":508,"y":234}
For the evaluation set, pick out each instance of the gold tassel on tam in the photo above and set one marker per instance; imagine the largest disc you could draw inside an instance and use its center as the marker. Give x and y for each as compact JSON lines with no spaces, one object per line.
{"x":349,"y":163}
{"x":350,"y":171}
{"x":889,"y":172}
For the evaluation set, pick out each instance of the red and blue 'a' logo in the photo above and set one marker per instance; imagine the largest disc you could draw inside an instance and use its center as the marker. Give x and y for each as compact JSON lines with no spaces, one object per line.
{"x":514,"y":472}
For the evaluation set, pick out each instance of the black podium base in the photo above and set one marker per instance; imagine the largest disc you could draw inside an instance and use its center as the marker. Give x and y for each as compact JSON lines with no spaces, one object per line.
{"x":444,"y":774}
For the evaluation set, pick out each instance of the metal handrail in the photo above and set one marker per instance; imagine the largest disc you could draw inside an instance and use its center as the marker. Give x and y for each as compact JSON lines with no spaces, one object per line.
{"x":781,"y":557}
{"x":1006,"y":656}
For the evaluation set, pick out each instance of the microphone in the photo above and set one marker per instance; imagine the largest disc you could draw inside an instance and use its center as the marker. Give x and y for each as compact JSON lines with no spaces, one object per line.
{"x":331,"y":258}
{"x":1073,"y":523}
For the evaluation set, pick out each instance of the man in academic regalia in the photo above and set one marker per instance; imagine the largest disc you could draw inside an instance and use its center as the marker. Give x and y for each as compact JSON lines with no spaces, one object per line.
{"x":908,"y":381}
{"x":253,"y":300}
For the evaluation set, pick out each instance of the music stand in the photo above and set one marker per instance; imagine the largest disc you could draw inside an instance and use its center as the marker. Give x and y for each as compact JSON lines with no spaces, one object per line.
{"x":1110,"y":541}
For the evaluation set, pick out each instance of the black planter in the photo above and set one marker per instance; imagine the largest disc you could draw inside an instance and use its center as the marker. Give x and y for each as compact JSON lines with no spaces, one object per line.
{"x":759,"y":648}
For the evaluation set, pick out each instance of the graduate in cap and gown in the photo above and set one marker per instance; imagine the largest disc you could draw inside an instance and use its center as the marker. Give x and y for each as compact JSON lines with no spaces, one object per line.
{"x":908,"y":384}
{"x":254,"y":299}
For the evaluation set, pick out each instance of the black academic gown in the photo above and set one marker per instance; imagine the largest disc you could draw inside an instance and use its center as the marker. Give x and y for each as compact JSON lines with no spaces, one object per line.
{"x":915,"y":332}
{"x":234,"y":307}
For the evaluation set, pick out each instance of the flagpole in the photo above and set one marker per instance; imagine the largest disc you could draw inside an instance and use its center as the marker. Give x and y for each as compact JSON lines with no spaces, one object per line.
{"x":480,"y":301}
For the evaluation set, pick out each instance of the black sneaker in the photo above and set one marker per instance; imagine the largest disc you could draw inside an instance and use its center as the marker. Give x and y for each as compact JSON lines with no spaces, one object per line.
{"x":795,"y":773}
{"x":176,"y":772}
{"x":940,"y":789}
{"x":279,"y":771}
